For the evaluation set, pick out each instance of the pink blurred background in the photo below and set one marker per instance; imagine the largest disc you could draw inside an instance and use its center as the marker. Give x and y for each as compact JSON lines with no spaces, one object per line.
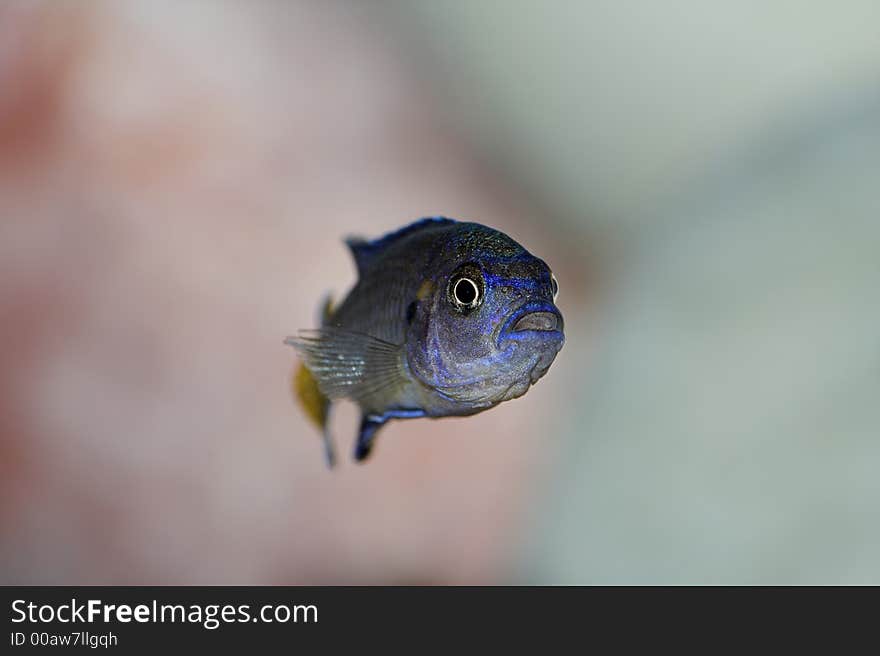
{"x":175,"y":182}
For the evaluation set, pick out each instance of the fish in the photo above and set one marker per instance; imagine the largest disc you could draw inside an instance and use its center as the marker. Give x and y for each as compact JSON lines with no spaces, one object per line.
{"x":447,"y":318}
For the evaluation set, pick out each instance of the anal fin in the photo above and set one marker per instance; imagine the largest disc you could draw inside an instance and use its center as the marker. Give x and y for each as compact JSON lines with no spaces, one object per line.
{"x":316,"y":406}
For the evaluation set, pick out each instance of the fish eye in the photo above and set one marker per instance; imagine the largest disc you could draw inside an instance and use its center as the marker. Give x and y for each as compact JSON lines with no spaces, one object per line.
{"x":466,"y":291}
{"x":555,"y":285}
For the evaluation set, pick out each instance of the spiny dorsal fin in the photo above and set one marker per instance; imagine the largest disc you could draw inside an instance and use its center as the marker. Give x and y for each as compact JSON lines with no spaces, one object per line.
{"x":365,"y":251}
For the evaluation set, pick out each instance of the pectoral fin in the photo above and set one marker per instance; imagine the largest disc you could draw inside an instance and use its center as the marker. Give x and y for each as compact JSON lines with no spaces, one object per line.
{"x":349,"y":365}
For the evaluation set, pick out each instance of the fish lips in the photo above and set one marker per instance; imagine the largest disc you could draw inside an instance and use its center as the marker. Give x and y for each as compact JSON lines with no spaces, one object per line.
{"x":534,"y":320}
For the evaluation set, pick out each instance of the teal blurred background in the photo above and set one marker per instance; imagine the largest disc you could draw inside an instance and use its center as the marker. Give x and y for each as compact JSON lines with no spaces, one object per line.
{"x":175,"y":183}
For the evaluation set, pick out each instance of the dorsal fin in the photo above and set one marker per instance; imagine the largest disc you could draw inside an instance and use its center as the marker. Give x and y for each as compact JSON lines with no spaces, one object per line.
{"x":365,"y":251}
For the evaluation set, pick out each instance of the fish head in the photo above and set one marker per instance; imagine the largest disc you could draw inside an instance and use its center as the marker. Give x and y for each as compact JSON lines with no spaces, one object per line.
{"x":489,"y":326}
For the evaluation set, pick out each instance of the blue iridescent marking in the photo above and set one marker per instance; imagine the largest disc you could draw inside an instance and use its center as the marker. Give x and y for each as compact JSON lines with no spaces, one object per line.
{"x":398,"y":414}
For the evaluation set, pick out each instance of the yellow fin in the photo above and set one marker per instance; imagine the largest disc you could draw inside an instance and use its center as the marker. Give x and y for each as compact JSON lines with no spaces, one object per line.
{"x":326,"y":309}
{"x":315,"y":404}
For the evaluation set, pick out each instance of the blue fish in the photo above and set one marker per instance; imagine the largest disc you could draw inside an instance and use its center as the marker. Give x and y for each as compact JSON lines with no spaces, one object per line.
{"x":447,"y":318}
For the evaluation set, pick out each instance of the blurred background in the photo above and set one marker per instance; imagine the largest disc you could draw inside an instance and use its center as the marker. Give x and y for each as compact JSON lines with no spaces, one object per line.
{"x":175,"y":183}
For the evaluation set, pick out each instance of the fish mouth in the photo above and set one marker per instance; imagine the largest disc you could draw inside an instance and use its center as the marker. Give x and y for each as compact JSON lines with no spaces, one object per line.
{"x":533,"y":319}
{"x":537,"y":321}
